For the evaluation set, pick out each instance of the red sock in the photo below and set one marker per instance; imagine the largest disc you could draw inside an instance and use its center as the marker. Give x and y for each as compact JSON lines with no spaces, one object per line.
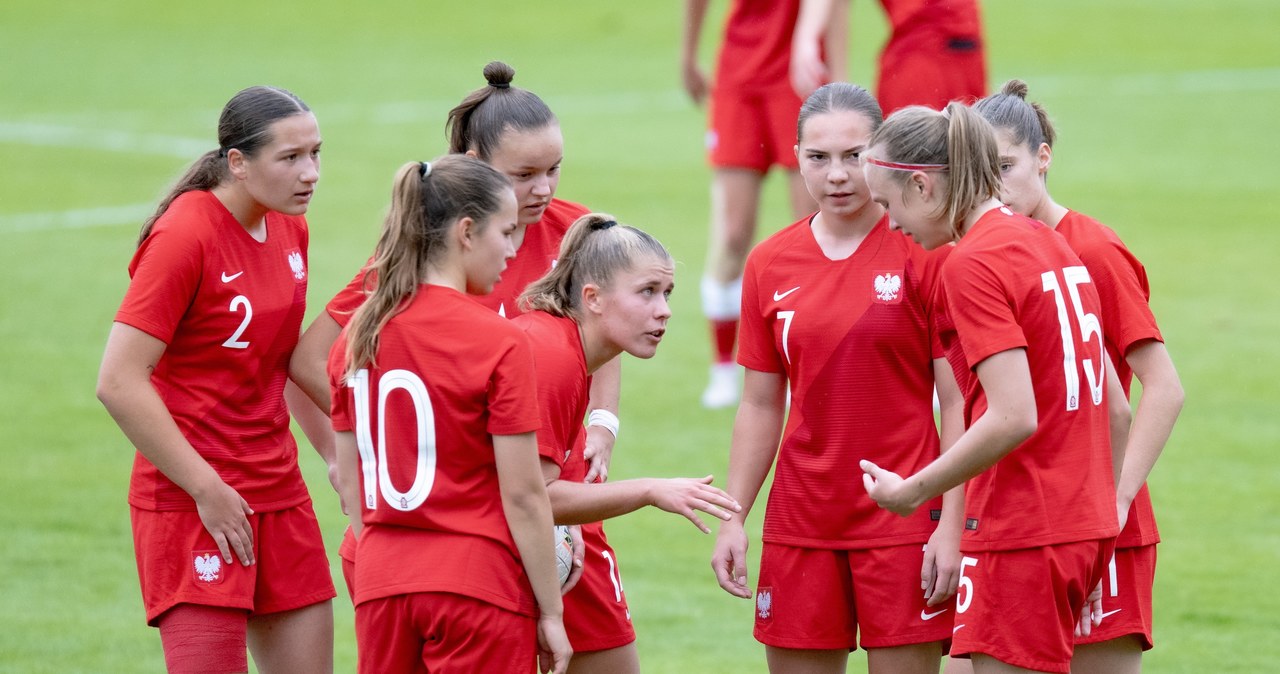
{"x":724,"y":333}
{"x":204,"y":639}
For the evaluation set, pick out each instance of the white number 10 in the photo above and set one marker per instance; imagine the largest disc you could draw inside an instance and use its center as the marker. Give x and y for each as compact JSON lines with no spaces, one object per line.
{"x":1089,"y":325}
{"x":373,"y":461}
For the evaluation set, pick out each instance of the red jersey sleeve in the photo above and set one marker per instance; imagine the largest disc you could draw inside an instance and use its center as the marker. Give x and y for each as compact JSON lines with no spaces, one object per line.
{"x":1123,"y":288}
{"x":983,"y":317}
{"x":513,"y":401}
{"x":757,"y":347}
{"x":345,"y":303}
{"x":165,"y":273}
{"x":339,"y":399}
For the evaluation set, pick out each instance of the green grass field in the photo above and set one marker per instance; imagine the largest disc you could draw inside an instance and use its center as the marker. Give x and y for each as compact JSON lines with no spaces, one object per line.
{"x":1166,"y":112}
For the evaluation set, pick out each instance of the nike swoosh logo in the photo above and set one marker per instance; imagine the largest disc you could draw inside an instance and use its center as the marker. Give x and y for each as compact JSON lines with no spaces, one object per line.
{"x":957,"y":628}
{"x":777,"y":296}
{"x":1104,"y":615}
{"x":931,"y":616}
{"x":229,"y":279}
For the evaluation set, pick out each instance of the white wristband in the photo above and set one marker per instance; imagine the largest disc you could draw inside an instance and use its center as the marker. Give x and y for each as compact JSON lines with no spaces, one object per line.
{"x":605,"y":419}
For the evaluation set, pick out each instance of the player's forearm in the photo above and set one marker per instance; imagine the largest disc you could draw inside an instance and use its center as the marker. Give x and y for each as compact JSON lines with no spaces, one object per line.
{"x":695,"y":13}
{"x":137,"y":408}
{"x":308,"y":365}
{"x":528,"y":514}
{"x":580,"y":503}
{"x":813,"y":20}
{"x":1158,"y":410}
{"x":350,"y":478}
{"x":313,"y":421}
{"x":757,"y":429}
{"x":989,"y":439}
{"x":606,"y":385}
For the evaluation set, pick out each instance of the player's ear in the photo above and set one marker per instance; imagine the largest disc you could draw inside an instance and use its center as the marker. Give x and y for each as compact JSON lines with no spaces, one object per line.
{"x":464,"y":231}
{"x":236,"y":164}
{"x":1044,"y":157}
{"x":592,"y":302}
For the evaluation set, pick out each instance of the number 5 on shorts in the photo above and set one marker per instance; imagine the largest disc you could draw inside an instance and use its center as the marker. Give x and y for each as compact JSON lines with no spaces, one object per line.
{"x":966,"y":585}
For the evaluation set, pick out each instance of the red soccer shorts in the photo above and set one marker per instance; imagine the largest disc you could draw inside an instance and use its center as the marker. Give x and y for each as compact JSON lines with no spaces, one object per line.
{"x":931,"y":69}
{"x":818,"y":599}
{"x":753,"y":130}
{"x":596,"y":616}
{"x":178,"y":563}
{"x":443,"y":632}
{"x":1021,"y":606}
{"x":1126,"y":597}
{"x":347,"y":553}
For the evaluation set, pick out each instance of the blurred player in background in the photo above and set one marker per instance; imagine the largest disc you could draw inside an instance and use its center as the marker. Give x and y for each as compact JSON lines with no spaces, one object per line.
{"x":195,"y":373}
{"x":515,"y":132}
{"x":607,"y":295}
{"x":435,"y":395}
{"x":934,"y":53}
{"x":1045,"y":419}
{"x":751,"y":116}
{"x":1025,"y":137}
{"x":861,"y":373}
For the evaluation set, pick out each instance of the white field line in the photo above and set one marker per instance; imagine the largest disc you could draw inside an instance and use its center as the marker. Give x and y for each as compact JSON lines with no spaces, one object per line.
{"x":80,"y":218}
{"x":1238,"y":80}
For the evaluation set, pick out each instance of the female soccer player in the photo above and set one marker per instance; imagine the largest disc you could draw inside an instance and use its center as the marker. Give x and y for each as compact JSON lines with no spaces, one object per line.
{"x":751,"y":109}
{"x":514,"y":131}
{"x":194,"y":372}
{"x":435,"y":408}
{"x":608,"y":294}
{"x":1025,"y":137}
{"x":861,"y":380}
{"x":1019,"y":322}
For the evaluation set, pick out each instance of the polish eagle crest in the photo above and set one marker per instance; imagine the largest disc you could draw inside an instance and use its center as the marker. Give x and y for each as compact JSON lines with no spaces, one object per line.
{"x":887,"y":286}
{"x":208,"y":567}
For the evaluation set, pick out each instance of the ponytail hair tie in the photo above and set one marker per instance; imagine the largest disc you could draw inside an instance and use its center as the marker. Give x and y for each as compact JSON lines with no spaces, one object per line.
{"x":424,"y":169}
{"x":500,"y":85}
{"x":603,"y":224}
{"x":222,"y":153}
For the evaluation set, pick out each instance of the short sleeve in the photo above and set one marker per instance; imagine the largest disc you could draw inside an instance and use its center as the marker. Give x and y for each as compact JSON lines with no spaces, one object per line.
{"x":513,"y":389}
{"x":340,"y":413}
{"x":1122,"y":287}
{"x":343,"y":305}
{"x":979,"y":305}
{"x":165,"y":275}
{"x":757,"y":349}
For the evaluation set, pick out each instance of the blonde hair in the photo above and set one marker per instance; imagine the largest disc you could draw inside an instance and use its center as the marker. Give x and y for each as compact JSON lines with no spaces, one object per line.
{"x":426,"y":200}
{"x":593,"y":251}
{"x":958,"y":141}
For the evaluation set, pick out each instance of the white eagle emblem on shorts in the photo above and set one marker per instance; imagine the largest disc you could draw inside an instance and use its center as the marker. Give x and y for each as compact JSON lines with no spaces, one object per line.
{"x":764,"y":604}
{"x":295,"y":263}
{"x":887,"y":286}
{"x":208,"y":567}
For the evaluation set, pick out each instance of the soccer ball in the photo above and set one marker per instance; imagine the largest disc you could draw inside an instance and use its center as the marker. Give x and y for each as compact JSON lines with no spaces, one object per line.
{"x":564,"y":553}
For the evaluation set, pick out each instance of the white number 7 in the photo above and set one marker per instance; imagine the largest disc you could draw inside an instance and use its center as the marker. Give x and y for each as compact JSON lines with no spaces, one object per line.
{"x":1089,"y":325}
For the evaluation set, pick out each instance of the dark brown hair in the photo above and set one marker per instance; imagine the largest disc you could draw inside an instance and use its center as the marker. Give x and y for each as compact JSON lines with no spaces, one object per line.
{"x":245,"y":125}
{"x":478,"y":122}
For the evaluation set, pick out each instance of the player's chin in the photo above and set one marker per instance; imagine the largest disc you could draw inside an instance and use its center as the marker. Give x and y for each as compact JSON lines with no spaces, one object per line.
{"x":646,"y":344}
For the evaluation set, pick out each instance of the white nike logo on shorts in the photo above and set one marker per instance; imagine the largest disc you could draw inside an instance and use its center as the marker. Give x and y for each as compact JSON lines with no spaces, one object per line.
{"x":232,"y":277}
{"x":1104,"y":615}
{"x":777,"y":296}
{"x":931,"y":616}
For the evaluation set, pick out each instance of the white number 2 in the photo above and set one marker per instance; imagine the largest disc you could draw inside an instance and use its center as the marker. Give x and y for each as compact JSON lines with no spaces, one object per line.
{"x":373,"y":460}
{"x":233,"y":342}
{"x":1089,"y":326}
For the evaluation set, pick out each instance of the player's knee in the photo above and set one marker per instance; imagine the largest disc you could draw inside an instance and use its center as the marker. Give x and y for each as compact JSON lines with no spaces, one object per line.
{"x":204,"y":639}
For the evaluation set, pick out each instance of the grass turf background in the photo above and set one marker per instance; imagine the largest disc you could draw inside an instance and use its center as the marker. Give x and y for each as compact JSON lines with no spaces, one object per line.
{"x":1166,"y":115}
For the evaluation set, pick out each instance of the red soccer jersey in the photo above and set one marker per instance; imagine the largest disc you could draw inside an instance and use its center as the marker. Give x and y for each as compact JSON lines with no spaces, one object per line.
{"x":1127,"y":321}
{"x":536,"y":256}
{"x":229,"y":309}
{"x":756,"y":53}
{"x":853,"y":338}
{"x":449,"y":374}
{"x":563,"y":396}
{"x":1013,"y":283}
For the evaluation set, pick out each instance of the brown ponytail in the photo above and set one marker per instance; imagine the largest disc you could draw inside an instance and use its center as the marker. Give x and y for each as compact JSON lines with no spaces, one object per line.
{"x":426,"y":200}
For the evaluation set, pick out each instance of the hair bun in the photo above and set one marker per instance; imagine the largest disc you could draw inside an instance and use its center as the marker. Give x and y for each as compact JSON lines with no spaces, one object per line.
{"x":1015,"y":87}
{"x":499,"y":74}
